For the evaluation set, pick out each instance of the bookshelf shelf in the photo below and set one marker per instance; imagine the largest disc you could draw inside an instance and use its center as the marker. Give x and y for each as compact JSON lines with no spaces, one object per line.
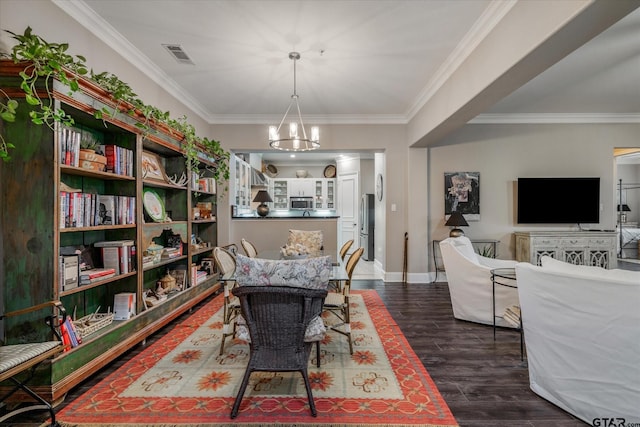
{"x":84,"y":288}
{"x":73,"y":170}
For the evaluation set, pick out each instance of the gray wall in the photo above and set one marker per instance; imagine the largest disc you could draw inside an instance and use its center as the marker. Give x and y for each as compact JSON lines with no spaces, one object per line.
{"x":502,"y":153}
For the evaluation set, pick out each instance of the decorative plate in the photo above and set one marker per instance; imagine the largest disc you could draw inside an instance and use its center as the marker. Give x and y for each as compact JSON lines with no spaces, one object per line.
{"x":272,"y":171}
{"x":153,"y":205}
{"x":330,"y":171}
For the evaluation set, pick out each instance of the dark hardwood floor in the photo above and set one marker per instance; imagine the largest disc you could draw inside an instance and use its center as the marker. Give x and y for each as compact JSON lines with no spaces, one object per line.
{"x":483,"y":381}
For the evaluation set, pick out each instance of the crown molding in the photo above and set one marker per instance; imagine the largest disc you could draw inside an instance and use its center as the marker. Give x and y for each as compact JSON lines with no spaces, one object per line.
{"x":345,"y":119}
{"x":555,"y":118}
{"x":494,"y":13}
{"x":90,"y":20}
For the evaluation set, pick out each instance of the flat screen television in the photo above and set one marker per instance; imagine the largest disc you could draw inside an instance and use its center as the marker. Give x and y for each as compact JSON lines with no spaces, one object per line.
{"x":558,"y":200}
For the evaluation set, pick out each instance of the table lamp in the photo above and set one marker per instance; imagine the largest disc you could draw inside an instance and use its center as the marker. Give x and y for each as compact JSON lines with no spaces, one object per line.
{"x":623,"y":209}
{"x":456,"y":220}
{"x":263,"y":197}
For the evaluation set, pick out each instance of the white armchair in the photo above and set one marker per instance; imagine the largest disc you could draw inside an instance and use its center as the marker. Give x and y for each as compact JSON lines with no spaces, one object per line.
{"x":583,"y":340}
{"x":470,"y":286}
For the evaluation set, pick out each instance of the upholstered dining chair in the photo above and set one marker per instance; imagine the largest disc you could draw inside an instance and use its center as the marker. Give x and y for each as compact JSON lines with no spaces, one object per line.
{"x":226,"y":264}
{"x":337,"y":284}
{"x":249,"y":249}
{"x":312,"y":240}
{"x":337,"y":303}
{"x":281,"y":302}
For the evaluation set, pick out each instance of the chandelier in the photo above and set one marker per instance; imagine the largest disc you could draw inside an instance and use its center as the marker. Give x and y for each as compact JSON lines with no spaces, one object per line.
{"x":297,"y":139}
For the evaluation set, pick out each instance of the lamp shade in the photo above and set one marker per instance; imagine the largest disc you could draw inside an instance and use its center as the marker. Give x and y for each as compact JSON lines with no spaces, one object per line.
{"x":624,"y":208}
{"x":456,"y":220}
{"x":262,"y":196}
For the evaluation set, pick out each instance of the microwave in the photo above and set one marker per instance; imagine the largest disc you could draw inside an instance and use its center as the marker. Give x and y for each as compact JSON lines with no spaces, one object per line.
{"x":300,"y":203}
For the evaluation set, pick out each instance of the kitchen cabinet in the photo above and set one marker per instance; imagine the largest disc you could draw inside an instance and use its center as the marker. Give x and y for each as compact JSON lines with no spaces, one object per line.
{"x":301,"y":187}
{"x":280,"y":194}
{"x":324,"y":193}
{"x":242,"y":185}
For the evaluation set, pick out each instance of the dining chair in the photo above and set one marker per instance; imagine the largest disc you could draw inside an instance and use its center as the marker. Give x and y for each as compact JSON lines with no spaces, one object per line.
{"x":337,"y":284}
{"x":310,"y":239}
{"x":345,"y":248}
{"x":337,"y":303}
{"x":249,"y":248}
{"x":281,"y":302}
{"x":226,"y":264}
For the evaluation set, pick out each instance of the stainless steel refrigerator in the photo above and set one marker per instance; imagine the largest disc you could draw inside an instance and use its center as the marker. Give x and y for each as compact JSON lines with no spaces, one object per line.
{"x":367,"y":225}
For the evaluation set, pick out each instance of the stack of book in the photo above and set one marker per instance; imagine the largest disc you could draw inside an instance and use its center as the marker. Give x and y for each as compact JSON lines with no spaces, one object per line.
{"x":512,"y":315}
{"x":169,"y":253}
{"x":95,"y":275}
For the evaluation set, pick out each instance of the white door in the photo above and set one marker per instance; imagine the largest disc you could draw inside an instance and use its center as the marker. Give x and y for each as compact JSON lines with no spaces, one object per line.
{"x":348,"y":192}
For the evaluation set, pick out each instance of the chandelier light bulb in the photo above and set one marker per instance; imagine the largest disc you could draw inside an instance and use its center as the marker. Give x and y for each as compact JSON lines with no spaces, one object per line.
{"x":297,"y":140}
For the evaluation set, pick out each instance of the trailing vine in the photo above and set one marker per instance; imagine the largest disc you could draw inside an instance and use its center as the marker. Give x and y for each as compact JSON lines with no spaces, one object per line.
{"x":46,"y":60}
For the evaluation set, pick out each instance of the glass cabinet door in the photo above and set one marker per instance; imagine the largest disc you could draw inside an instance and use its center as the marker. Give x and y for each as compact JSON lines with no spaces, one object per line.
{"x":280,"y":194}
{"x":330,"y":196}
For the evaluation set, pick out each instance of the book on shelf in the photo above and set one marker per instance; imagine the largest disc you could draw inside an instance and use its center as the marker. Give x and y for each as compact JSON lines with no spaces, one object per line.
{"x":68,"y":272}
{"x":119,"y":159}
{"x":73,"y":329}
{"x":124,"y":306}
{"x":69,"y":146}
{"x":105,"y":209}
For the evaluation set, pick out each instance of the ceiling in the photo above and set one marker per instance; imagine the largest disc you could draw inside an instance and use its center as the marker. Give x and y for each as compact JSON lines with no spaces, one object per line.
{"x":362,"y":61}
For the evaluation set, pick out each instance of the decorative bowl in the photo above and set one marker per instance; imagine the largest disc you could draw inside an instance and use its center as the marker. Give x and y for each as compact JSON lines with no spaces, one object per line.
{"x":301,"y":173}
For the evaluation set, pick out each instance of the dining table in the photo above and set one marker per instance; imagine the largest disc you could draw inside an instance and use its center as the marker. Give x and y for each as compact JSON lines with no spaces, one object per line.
{"x":338,"y":270}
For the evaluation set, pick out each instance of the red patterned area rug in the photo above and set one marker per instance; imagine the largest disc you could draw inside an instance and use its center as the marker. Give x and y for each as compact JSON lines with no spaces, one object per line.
{"x":181,"y":380}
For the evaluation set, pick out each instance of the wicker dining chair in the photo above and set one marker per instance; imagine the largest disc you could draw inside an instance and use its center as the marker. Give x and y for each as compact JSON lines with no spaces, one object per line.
{"x":281,"y":301}
{"x":249,"y":248}
{"x":337,"y":303}
{"x":226,"y":264}
{"x":345,"y":248}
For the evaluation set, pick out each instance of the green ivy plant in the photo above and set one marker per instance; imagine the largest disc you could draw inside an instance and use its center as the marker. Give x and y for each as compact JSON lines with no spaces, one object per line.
{"x":46,"y":60}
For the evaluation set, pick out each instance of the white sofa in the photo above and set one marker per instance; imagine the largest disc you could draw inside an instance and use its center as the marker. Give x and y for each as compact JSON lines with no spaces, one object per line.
{"x":582,"y":334}
{"x":470,"y":286}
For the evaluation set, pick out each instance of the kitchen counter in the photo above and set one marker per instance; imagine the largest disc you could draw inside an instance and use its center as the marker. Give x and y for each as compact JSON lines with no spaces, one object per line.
{"x":291,"y":215}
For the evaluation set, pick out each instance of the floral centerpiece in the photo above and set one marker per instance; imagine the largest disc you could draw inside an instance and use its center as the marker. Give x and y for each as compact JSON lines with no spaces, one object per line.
{"x":293,"y":251}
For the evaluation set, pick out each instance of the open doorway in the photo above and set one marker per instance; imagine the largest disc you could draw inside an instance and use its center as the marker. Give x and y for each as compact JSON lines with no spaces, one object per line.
{"x":628,"y":203}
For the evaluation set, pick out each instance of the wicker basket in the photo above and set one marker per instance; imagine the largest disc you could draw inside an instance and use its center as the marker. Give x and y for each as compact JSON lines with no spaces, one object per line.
{"x":89,"y":324}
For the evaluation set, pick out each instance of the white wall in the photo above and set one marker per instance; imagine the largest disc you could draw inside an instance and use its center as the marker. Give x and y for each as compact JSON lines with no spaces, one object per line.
{"x":503,"y":153}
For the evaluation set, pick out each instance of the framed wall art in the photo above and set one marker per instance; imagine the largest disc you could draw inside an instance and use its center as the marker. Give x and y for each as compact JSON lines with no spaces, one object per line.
{"x":152,"y":167}
{"x":462,"y":194}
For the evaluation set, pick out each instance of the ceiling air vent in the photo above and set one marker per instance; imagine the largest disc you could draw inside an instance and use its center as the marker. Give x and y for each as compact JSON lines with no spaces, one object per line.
{"x":176,"y":51}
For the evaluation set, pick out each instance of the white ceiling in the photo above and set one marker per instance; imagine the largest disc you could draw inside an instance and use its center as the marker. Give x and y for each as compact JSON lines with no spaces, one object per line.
{"x":363,"y":61}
